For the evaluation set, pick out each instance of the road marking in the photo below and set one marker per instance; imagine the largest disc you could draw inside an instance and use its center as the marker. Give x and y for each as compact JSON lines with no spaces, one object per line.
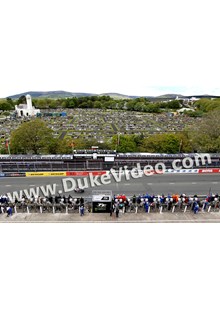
{"x":194,"y":183}
{"x":214,"y":182}
{"x":7,"y":185}
{"x":172,"y":183}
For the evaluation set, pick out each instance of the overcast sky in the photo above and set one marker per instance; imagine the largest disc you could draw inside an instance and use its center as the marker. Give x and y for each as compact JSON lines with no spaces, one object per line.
{"x":133,"y":47}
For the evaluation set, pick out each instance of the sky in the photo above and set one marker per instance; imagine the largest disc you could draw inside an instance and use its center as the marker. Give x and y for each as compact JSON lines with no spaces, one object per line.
{"x":132,"y":47}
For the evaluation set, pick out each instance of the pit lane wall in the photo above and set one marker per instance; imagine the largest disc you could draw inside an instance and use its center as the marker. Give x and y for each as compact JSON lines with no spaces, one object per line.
{"x":64,"y":173}
{"x":101,"y":172}
{"x":200,"y":171}
{"x":52,"y":174}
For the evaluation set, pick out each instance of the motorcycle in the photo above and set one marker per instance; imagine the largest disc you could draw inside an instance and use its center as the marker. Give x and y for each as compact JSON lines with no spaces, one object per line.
{"x":78,"y":190}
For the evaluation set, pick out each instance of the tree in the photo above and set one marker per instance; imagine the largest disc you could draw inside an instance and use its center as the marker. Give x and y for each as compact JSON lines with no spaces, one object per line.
{"x":123,"y":143}
{"x":161,"y":143}
{"x":206,"y":133}
{"x":21,"y":100}
{"x":207,"y":105}
{"x":174,"y":104}
{"x":6,"y":105}
{"x":31,"y":137}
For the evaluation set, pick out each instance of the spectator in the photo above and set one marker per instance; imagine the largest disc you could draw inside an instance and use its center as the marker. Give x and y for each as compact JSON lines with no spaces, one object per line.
{"x":9,"y":211}
{"x":126,"y":203}
{"x":196,"y":208}
{"x":134,"y":199}
{"x":117,"y":211}
{"x":81,"y":210}
{"x":146,"y":205}
{"x":139,"y":199}
{"x":111,"y":210}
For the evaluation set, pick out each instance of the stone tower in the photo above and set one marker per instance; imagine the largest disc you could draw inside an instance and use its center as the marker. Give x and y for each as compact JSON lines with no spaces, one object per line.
{"x":29,"y":102}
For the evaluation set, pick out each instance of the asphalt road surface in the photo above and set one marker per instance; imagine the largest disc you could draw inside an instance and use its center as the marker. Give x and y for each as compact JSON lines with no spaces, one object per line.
{"x":157,"y":184}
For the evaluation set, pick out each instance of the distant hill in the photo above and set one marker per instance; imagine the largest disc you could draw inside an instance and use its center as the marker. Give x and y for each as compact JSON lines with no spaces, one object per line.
{"x":117,"y":96}
{"x":51,"y":94}
{"x":64,"y":94}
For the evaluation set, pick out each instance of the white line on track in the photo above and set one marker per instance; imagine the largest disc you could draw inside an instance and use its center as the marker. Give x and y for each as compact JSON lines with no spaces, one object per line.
{"x":7,"y":185}
{"x":194,"y":183}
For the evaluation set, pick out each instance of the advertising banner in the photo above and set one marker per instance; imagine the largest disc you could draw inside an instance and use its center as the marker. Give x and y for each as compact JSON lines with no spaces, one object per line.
{"x":214,"y":170}
{"x":46,"y":174}
{"x":84,"y":173}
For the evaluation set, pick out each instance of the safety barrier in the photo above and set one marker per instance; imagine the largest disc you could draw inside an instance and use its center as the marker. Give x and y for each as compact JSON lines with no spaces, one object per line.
{"x":84,"y":173}
{"x":14,"y":174}
{"x":102,"y":172}
{"x":64,"y":173}
{"x":182,"y":171}
{"x":209,"y":170}
{"x":45,"y":174}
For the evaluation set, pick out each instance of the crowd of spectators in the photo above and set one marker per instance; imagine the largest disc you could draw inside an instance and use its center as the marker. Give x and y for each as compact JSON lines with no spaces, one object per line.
{"x":120,"y":204}
{"x":170,"y":202}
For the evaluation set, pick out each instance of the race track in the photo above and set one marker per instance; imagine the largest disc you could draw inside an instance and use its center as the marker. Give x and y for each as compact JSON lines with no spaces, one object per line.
{"x":157,"y":184}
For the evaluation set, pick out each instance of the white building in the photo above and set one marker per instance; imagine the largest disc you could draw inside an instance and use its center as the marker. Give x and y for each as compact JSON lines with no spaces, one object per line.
{"x":26,"y":109}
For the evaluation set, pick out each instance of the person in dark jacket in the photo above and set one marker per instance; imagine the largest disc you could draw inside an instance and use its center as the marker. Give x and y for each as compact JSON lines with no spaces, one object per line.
{"x":81,"y":200}
{"x":117,"y":212}
{"x":111,"y":210}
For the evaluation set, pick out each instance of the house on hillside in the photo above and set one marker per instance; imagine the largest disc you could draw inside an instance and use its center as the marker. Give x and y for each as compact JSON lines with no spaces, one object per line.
{"x":184,"y":110}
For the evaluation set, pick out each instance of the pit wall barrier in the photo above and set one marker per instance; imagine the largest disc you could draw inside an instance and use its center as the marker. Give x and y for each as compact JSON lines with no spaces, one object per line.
{"x":46,"y":174}
{"x":84,"y":173}
{"x":14,"y":174}
{"x":214,"y":170}
{"x":182,"y":171}
{"x":148,"y":172}
{"x":64,"y":173}
{"x":102,"y":172}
